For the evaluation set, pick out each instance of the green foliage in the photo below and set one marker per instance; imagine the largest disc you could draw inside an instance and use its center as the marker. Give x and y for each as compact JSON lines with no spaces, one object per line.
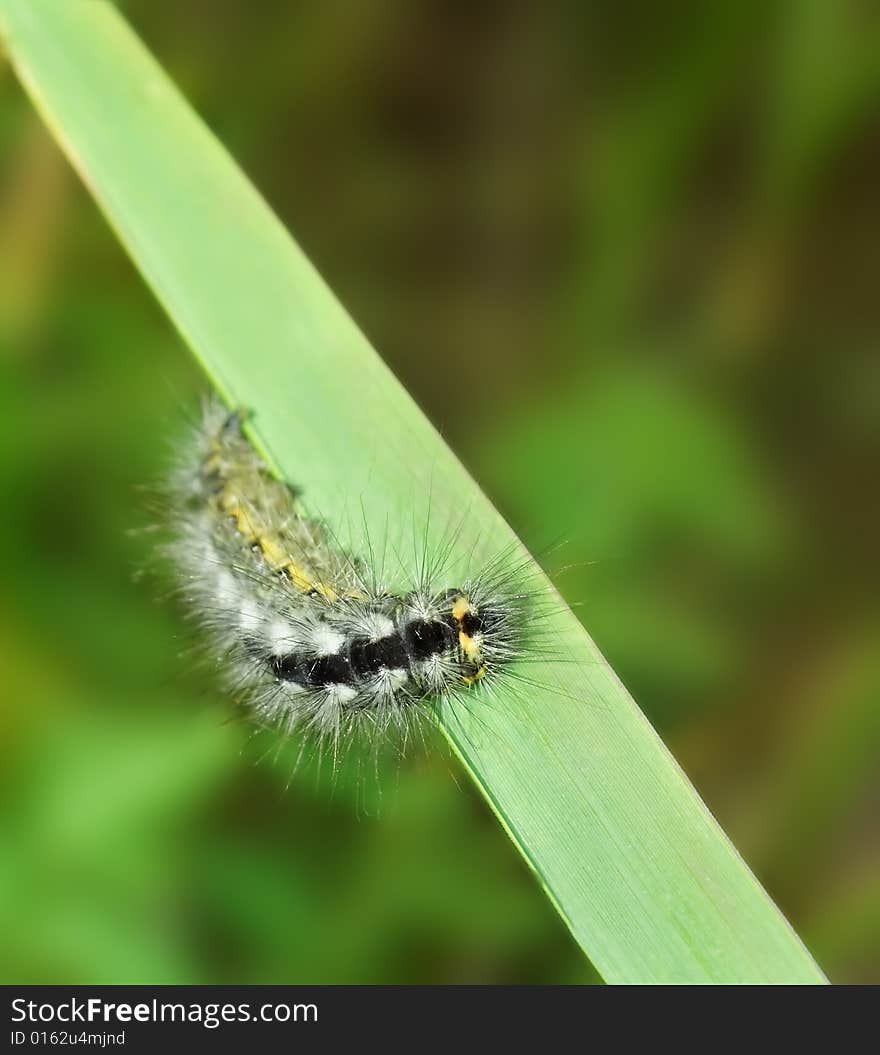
{"x":664,"y":487}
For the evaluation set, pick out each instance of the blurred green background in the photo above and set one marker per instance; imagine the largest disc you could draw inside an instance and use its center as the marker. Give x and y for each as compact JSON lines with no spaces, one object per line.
{"x":626,"y":257}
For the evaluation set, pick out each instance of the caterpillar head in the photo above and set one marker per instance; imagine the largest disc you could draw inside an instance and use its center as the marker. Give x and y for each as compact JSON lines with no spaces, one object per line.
{"x":484,"y":632}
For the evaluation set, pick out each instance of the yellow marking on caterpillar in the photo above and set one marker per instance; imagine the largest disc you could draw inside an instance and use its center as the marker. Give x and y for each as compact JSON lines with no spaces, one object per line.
{"x":275,"y":555}
{"x":462,"y":607}
{"x":469,"y":646}
{"x":470,"y":679}
{"x":256,"y":533}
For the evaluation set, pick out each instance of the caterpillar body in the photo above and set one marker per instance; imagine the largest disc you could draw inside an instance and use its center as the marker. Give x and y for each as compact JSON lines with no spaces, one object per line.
{"x":304,"y":631}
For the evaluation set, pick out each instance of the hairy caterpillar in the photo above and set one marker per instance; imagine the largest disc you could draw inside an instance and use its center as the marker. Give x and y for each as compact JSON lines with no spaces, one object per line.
{"x":303,"y":630}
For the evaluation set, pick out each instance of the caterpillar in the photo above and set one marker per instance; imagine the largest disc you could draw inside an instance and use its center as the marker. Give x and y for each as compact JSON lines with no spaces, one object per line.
{"x":304,"y":631}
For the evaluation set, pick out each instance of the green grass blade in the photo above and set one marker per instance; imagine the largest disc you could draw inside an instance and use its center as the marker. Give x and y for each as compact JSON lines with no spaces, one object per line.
{"x":637,"y":867}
